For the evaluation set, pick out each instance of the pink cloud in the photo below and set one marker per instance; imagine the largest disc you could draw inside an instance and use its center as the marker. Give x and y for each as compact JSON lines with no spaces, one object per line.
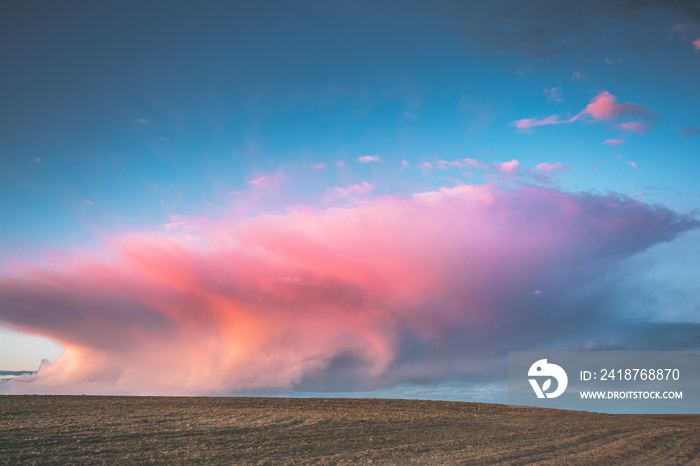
{"x":634,"y":126}
{"x":369,"y":159}
{"x":696,"y":44}
{"x":680,"y":27}
{"x":614,"y":142}
{"x":258,"y":181}
{"x":603,"y":107}
{"x":510,"y":166}
{"x":320,"y":166}
{"x":463,"y":163}
{"x":361,"y":188}
{"x":552,"y":167}
{"x":459,"y":163}
{"x":429,"y":286}
{"x":267,"y":182}
{"x":527,"y":123}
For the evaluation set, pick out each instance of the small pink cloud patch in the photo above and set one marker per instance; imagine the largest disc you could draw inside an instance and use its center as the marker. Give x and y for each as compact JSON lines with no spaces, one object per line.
{"x":361,"y":188}
{"x":551,"y":167}
{"x":634,"y":126}
{"x":510,"y":166}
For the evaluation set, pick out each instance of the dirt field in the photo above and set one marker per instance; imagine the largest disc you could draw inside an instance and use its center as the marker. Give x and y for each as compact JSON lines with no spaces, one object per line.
{"x":90,"y":429}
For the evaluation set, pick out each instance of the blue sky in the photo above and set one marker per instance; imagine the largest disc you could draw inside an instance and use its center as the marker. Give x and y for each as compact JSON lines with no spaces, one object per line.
{"x":121,"y":119}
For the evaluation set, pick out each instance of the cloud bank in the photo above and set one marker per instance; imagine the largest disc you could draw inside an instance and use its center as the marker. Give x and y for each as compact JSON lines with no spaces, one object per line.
{"x":429,"y":287}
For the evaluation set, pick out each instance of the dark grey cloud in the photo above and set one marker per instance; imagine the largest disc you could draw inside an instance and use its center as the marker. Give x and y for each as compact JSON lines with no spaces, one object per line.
{"x":579,"y":31}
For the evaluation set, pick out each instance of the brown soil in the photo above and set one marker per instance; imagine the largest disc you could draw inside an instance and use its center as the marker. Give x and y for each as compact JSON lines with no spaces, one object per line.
{"x":118,"y":430}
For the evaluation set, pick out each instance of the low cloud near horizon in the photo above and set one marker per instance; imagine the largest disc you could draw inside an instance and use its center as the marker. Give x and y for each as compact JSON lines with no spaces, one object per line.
{"x":434,"y":286}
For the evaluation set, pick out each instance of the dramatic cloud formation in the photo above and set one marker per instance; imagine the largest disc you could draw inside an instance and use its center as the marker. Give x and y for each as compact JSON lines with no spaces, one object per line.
{"x":431,"y":286}
{"x":604,"y":107}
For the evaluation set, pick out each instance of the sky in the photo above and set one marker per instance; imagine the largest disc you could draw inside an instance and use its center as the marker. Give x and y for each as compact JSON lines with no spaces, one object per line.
{"x":365,"y":198}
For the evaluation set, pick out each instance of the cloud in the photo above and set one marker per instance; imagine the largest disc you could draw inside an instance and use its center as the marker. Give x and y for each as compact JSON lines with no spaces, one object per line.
{"x":690,"y":131}
{"x":432,"y":286}
{"x":361,"y":188}
{"x":319,"y":166}
{"x":340,"y":163}
{"x":447,"y":164}
{"x":142,"y":121}
{"x":405,"y":164}
{"x":566,"y":32}
{"x":696,"y":44}
{"x":509,"y":167}
{"x":616,"y":61}
{"x":614,"y":142}
{"x":578,"y":76}
{"x":269,"y":181}
{"x":634,"y":126}
{"x":554,"y":95}
{"x":525,"y":124}
{"x":369,"y":159}
{"x":258,"y":181}
{"x":603,"y":108}
{"x":551,"y":167}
